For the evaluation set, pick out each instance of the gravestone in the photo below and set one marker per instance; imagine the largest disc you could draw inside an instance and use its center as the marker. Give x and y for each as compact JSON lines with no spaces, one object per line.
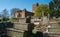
{"x":39,"y":34}
{"x":44,"y":20}
{"x":45,"y":34}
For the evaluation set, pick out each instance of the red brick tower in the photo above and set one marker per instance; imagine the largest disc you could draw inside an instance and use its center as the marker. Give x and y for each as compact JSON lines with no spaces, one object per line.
{"x":34,"y":6}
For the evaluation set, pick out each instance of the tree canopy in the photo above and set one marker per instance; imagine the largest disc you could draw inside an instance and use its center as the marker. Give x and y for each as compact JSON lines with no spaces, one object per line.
{"x":41,"y":8}
{"x":54,"y":6}
{"x":5,"y":13}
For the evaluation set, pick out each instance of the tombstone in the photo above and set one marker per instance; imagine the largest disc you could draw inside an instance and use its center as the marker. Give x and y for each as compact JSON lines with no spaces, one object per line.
{"x":25,"y":34}
{"x":44,"y":20}
{"x":45,"y":34}
{"x":39,"y":34}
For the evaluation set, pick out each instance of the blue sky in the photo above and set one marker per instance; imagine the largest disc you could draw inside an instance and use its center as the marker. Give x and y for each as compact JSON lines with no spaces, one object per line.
{"x":9,"y":4}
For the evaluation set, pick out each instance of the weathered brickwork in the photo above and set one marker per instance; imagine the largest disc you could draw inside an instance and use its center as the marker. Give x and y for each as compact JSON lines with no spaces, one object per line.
{"x":23,"y":13}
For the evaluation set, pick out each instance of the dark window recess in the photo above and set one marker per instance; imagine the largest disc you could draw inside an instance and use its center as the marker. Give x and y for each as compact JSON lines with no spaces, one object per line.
{"x":28,"y":20}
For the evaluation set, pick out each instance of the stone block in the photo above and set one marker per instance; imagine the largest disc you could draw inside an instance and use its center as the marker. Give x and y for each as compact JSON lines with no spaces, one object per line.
{"x":24,"y":20}
{"x":11,"y":32}
{"x":26,"y":26}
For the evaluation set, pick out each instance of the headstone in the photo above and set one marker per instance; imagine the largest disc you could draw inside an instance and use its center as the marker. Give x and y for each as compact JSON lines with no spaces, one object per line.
{"x":39,"y":34}
{"x":45,"y":34}
{"x":45,"y":20}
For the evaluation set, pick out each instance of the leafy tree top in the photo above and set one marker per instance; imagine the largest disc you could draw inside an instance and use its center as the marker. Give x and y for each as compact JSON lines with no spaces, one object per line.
{"x":42,"y":8}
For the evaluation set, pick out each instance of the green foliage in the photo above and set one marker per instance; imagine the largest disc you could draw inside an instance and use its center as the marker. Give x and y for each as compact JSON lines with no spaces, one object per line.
{"x":4,"y":20}
{"x":54,"y":6}
{"x":41,"y":8}
{"x":11,"y":20}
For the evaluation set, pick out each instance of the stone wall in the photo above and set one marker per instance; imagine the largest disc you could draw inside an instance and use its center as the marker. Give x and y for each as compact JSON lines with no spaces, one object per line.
{"x":53,"y":30}
{"x":3,"y":26}
{"x":24,"y":25}
{"x":54,"y":27}
{"x":24,"y":20}
{"x":16,"y":31}
{"x":21,"y":26}
{"x":11,"y":32}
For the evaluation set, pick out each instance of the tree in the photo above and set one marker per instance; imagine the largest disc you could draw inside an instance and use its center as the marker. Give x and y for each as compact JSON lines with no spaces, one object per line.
{"x":54,"y":6}
{"x":5,"y":13}
{"x":41,"y":8}
{"x":13,"y":10}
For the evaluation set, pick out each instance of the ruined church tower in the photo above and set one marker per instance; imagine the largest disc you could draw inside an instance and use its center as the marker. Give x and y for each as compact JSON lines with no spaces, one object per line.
{"x":34,"y":6}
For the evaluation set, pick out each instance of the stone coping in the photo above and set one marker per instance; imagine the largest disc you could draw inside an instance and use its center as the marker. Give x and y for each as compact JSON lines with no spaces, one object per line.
{"x":20,"y":23}
{"x":19,"y":17}
{"x":13,"y":29}
{"x":54,"y":28}
{"x":52,"y":32}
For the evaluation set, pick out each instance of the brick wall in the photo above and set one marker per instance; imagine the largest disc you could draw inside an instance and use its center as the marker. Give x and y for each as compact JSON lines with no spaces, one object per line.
{"x":34,"y":6}
{"x":16,"y":14}
{"x":23,"y":14}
